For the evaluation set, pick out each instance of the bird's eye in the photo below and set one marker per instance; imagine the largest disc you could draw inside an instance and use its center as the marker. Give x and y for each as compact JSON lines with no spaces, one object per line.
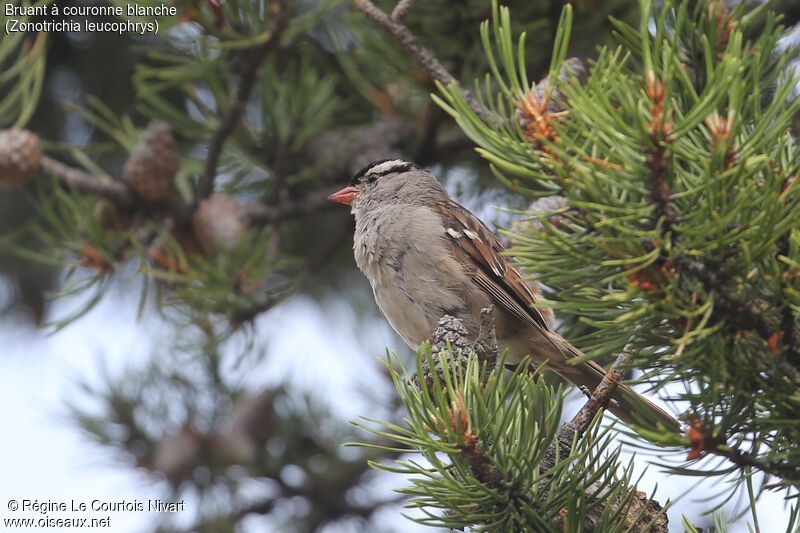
{"x":371,"y":178}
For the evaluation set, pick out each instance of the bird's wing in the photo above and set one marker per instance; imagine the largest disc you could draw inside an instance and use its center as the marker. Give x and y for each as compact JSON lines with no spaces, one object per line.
{"x":481,"y":254}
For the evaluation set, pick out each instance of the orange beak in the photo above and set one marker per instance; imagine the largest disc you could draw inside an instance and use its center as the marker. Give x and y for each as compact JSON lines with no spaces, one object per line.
{"x":346,"y":195}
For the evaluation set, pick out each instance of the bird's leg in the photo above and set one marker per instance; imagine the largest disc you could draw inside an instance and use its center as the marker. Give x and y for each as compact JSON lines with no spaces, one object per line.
{"x":485,"y":345}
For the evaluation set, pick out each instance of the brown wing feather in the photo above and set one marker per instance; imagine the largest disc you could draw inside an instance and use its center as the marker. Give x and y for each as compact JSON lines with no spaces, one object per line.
{"x":475,"y":245}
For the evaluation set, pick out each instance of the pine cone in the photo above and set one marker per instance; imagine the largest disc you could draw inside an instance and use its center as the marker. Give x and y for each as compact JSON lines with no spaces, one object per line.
{"x":150,"y":170}
{"x":20,"y":157}
{"x":219,"y":223}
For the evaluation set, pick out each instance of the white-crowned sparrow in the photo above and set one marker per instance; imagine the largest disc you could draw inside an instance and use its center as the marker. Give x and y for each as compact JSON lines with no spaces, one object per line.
{"x":427,"y":256}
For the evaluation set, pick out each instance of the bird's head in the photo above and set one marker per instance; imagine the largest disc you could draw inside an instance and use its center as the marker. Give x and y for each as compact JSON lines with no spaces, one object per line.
{"x":388,"y":181}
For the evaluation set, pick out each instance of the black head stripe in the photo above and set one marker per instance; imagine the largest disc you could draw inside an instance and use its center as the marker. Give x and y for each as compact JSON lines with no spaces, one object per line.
{"x":379,"y":168}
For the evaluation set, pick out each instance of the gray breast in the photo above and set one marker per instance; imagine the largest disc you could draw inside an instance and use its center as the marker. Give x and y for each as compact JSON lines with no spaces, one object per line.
{"x":402,"y":251}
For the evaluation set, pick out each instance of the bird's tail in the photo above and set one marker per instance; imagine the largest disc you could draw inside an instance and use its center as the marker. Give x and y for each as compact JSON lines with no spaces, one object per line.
{"x":628,"y":405}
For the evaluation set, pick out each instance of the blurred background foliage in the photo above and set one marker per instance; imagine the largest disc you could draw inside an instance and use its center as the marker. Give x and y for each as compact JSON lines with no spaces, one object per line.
{"x":332,"y":93}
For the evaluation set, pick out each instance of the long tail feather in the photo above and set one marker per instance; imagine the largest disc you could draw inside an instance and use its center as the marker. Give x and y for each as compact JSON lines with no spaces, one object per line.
{"x":628,"y":405}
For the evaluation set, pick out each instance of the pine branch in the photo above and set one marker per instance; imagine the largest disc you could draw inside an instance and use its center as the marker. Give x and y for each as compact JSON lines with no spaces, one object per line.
{"x":115,"y":191}
{"x":645,"y":510}
{"x":657,"y":160}
{"x":743,"y":460}
{"x":600,"y":396}
{"x":118,"y":193}
{"x":205,"y":185}
{"x":575,"y":428}
{"x":706,"y":441}
{"x":338,"y":154}
{"x":644,"y":513}
{"x":738,"y":314}
{"x":789,"y":340}
{"x":421,"y":55}
{"x":263,"y":214}
{"x":402,"y":8}
{"x":450,"y":333}
{"x":788,"y":324}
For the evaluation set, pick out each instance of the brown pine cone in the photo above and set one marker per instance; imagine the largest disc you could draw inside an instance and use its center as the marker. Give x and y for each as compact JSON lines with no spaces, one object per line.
{"x":150,"y":170}
{"x":219,"y":223}
{"x":20,"y":157}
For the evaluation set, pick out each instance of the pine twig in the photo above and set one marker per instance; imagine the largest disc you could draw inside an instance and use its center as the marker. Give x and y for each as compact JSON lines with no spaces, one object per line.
{"x":118,"y":193}
{"x":450,"y":332}
{"x":263,"y":214}
{"x":600,"y":397}
{"x":402,"y":8}
{"x":644,"y":513}
{"x":421,"y":55}
{"x":205,"y":185}
{"x":115,"y":191}
{"x":743,"y":460}
{"x":386,"y":136}
{"x":575,"y":428}
{"x":741,"y":315}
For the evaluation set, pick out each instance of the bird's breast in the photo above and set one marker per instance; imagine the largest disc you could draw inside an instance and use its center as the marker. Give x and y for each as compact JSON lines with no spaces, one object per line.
{"x":402,"y":252}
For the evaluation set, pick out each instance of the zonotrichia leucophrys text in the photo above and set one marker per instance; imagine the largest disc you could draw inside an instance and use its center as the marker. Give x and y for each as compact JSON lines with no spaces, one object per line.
{"x":427,"y":256}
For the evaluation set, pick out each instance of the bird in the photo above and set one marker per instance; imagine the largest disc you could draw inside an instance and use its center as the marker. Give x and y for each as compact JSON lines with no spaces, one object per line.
{"x":427,"y":256}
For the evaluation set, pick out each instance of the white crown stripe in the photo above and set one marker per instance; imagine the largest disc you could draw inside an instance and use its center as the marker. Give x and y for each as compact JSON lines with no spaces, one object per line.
{"x":387,"y":166}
